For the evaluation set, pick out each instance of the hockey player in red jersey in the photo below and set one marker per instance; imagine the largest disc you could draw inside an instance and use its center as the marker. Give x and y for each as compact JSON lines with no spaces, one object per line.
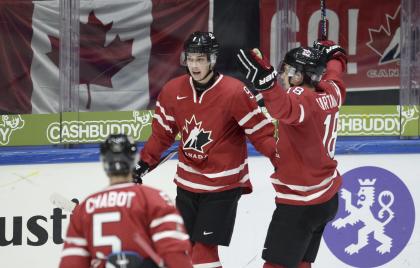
{"x":306,"y":179}
{"x":126,"y":224}
{"x":214,"y":115}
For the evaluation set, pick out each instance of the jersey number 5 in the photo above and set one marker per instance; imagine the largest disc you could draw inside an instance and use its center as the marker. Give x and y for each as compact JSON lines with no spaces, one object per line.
{"x":330,"y":134}
{"x":106,"y":240}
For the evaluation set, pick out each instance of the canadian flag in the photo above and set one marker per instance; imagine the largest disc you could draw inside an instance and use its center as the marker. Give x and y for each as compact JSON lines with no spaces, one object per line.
{"x":128,"y":50}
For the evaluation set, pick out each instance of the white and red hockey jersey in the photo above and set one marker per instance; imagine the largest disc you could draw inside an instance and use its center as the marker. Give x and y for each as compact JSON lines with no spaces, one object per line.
{"x":213,"y":128}
{"x":306,"y":171}
{"x":115,"y":219}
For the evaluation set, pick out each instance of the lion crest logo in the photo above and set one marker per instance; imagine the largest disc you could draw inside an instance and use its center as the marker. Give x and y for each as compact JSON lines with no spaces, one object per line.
{"x":10,"y":123}
{"x":362,"y":212}
{"x":375,"y":218}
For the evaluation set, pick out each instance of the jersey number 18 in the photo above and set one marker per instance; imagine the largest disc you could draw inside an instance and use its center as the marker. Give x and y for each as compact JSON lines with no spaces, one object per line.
{"x":330,"y":134}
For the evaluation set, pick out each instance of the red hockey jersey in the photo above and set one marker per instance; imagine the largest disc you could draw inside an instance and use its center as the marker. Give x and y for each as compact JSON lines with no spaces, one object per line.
{"x":307,"y":133}
{"x":122,"y":217}
{"x":213,"y":127}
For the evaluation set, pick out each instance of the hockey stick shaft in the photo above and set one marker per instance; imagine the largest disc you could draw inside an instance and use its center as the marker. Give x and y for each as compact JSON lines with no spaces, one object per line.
{"x":68,"y":205}
{"x":61,"y":202}
{"x":323,"y":20}
{"x":149,"y":250}
{"x":164,"y":158}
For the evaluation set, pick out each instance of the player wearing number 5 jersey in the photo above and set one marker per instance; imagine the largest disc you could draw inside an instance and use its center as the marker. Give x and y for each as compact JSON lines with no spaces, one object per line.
{"x":126,"y":224}
{"x":306,"y":179}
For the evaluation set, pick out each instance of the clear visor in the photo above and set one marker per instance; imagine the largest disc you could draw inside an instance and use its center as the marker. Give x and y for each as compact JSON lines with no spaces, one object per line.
{"x":286,"y":68}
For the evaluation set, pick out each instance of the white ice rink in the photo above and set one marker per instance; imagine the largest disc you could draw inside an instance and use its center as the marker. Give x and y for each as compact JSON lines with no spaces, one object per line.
{"x":25,"y":191}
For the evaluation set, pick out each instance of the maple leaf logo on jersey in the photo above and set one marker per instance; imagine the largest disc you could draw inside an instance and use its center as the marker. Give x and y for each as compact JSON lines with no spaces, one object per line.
{"x":385,"y":40}
{"x":196,"y":137}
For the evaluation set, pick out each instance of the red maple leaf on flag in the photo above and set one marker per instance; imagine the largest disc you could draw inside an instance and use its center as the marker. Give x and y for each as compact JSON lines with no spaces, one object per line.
{"x":385,"y":40}
{"x":97,"y":63}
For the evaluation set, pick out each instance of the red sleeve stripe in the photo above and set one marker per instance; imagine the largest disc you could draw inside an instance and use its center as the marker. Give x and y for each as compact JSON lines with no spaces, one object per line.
{"x":302,"y":113}
{"x":160,"y":121}
{"x":303,"y":198}
{"x":215,"y":175}
{"x":302,"y":188}
{"x":257,"y":126}
{"x":337,"y":89}
{"x":208,"y":265}
{"x":170,"y":234}
{"x":162,"y":110}
{"x":247,"y":117}
{"x":199,"y":186}
{"x":167,"y":218}
{"x":75,"y":252}
{"x":78,"y":241}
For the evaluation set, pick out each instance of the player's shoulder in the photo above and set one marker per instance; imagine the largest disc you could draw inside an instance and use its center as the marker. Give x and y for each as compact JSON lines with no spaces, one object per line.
{"x":156,"y":197}
{"x":227,"y":79}
{"x":231,"y":85}
{"x":149,"y":190}
{"x":182,"y":79}
{"x":330,"y":87}
{"x":301,"y":91}
{"x":174,"y":85}
{"x":114,"y":188}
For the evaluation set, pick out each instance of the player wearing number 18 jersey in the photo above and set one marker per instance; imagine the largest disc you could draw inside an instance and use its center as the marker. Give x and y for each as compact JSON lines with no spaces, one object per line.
{"x":306,"y":179}
{"x":307,"y":132}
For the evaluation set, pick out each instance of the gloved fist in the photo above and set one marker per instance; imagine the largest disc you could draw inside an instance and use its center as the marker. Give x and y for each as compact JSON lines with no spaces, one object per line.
{"x":256,"y":69}
{"x":140,"y":169}
{"x":332,"y":51}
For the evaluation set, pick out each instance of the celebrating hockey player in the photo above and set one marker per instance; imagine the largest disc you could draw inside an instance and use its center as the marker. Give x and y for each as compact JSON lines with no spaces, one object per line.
{"x":214,"y":115}
{"x":306,"y":179}
{"x":126,"y":224}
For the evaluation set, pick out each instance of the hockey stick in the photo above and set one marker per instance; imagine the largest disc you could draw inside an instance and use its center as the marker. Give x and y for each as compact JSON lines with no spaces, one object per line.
{"x":61,"y":202}
{"x":149,"y":250}
{"x":164,"y":158}
{"x":323,"y":20}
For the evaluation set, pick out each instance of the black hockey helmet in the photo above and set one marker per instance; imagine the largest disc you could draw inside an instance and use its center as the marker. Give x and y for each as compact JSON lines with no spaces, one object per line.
{"x":201,"y":42}
{"x":118,"y":154}
{"x":307,"y":60}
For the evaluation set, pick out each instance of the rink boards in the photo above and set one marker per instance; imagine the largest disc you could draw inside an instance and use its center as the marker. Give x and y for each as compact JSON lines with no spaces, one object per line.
{"x":31,"y":229}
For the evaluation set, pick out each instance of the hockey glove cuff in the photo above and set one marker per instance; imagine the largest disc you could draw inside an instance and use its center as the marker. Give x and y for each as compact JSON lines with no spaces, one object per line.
{"x":141,"y":169}
{"x":256,"y":69}
{"x":332,"y":51}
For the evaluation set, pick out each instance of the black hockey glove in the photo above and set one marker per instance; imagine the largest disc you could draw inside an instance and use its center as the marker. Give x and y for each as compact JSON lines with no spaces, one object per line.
{"x":256,"y":69}
{"x":141,"y":169}
{"x":332,"y":51}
